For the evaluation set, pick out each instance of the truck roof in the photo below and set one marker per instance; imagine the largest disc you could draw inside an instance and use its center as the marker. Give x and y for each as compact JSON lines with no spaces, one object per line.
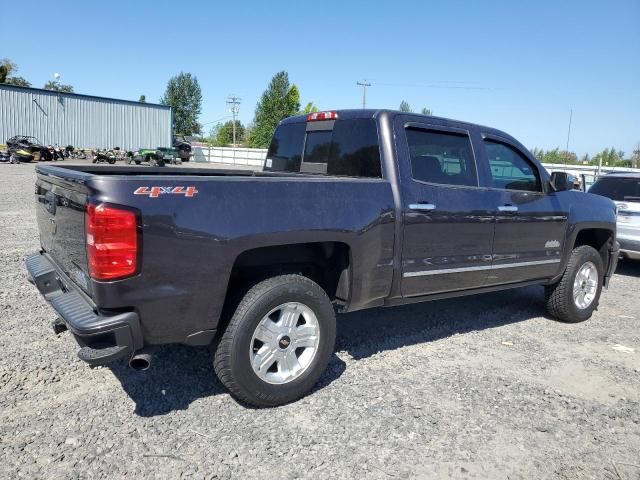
{"x":373,"y":113}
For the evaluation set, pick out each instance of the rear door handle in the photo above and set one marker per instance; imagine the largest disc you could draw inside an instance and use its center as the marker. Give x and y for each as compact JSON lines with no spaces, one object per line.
{"x":508,"y":208}
{"x":422,"y":206}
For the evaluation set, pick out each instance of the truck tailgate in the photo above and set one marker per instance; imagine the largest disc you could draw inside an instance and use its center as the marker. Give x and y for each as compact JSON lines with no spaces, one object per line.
{"x":60,"y":212}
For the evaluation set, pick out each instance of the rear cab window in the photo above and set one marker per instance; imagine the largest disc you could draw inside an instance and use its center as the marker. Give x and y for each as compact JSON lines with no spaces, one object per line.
{"x":347,"y":147}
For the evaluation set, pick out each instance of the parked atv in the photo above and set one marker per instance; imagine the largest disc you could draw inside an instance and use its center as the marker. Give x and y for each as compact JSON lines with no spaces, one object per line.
{"x":27,"y":149}
{"x":153,"y":157}
{"x":8,"y":157}
{"x":20,"y":155}
{"x":183,"y":146}
{"x":55,"y":153}
{"x":171,"y":155}
{"x":104,"y":156}
{"x":76,"y":153}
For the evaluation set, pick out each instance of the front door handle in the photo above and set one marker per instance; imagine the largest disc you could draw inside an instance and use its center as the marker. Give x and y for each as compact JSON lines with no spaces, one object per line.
{"x":422,"y":206}
{"x":508,"y":208}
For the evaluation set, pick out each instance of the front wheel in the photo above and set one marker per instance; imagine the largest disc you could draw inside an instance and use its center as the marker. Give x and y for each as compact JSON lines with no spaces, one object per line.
{"x":575,"y":297}
{"x":278,"y":342}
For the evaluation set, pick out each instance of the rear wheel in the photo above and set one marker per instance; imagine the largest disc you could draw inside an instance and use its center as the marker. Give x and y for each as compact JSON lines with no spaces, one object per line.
{"x":575,"y":297}
{"x":277,"y":343}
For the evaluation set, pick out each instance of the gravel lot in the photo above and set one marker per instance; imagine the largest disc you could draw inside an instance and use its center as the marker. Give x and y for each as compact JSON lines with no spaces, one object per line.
{"x":480,"y":387}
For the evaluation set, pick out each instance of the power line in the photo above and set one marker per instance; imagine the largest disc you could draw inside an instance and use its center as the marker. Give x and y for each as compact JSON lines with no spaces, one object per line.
{"x":364,"y":86}
{"x":217,"y":120}
{"x":235,"y":109}
{"x":458,"y":86}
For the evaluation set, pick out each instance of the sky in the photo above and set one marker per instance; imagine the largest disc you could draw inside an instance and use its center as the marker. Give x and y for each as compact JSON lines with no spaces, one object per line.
{"x":520,"y":66}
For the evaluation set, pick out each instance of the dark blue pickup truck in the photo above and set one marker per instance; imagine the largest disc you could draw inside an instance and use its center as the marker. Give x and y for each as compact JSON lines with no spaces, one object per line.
{"x":353,"y":209}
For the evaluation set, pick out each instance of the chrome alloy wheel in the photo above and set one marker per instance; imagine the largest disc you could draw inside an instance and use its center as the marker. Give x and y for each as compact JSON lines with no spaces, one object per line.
{"x":284,"y":343}
{"x":585,"y":285}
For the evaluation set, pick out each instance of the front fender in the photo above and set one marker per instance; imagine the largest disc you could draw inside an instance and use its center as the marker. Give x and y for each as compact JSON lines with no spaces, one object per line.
{"x":587,"y":212}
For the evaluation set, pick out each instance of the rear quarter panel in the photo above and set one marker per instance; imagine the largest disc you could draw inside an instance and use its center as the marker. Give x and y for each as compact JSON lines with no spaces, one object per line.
{"x":190,"y":243}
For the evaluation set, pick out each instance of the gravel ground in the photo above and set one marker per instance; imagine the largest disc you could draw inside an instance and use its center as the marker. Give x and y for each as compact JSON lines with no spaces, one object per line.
{"x":480,"y":387}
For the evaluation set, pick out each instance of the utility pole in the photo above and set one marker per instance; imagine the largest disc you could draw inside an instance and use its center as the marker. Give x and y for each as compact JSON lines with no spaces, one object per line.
{"x":235,"y":108}
{"x":566,"y":150}
{"x":364,"y":86}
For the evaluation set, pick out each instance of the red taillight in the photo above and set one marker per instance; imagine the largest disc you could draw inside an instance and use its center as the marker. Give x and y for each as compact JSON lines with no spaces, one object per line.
{"x":112,"y":242}
{"x":312,"y":117}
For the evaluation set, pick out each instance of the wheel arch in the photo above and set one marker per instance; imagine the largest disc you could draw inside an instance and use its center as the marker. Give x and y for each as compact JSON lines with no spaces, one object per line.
{"x":599,"y":235}
{"x":328,"y":263}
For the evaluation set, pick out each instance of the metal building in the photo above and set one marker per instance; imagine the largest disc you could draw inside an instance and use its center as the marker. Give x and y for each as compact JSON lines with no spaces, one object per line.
{"x":83,"y":121}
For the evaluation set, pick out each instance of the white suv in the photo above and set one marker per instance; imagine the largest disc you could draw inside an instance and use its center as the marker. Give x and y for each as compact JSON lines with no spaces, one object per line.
{"x":624,"y":190}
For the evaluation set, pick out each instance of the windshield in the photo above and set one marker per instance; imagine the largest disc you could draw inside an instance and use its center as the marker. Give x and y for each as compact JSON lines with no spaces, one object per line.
{"x":618,"y":188}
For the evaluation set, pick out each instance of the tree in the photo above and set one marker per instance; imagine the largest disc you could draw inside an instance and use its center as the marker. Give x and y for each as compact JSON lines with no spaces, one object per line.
{"x":224,"y":133}
{"x":555,"y":156}
{"x":309,"y":108}
{"x":142,"y":99}
{"x":404,"y":106}
{"x":56,"y":86}
{"x":17,"y":81}
{"x":280,"y":100}
{"x":635,"y":158}
{"x":608,"y":157}
{"x":7,"y":68}
{"x":538,"y":153}
{"x":184,"y":95}
{"x":426,"y":111}
{"x":293,"y":98}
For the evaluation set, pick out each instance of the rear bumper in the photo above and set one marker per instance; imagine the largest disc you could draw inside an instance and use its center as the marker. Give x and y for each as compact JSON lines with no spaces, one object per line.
{"x":103,"y":336}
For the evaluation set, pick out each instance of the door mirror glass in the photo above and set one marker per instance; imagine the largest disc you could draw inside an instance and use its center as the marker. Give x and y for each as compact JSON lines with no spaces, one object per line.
{"x":561,"y":181}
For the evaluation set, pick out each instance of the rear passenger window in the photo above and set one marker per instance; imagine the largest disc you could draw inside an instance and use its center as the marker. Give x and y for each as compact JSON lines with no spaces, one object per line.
{"x":510,"y":169}
{"x":350,"y":149}
{"x":441,"y":157}
{"x":285,"y":151}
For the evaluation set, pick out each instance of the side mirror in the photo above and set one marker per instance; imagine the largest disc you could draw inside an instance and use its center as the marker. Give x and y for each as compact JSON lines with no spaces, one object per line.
{"x":561,"y":181}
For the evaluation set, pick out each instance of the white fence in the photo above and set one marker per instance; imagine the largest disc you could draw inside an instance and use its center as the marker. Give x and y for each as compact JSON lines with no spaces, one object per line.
{"x":252,"y":157}
{"x":586,"y":169}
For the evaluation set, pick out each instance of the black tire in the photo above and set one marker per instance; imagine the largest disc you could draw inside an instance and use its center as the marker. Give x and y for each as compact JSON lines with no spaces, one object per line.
{"x":231,"y":351}
{"x":137,"y":162}
{"x":560,"y":296}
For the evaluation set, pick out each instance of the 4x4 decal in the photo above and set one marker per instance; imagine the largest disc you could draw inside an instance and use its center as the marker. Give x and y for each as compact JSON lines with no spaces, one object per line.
{"x":155,"y":192}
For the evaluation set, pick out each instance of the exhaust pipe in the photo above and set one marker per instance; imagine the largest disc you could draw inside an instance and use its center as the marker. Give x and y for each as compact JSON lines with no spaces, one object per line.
{"x":140,"y":360}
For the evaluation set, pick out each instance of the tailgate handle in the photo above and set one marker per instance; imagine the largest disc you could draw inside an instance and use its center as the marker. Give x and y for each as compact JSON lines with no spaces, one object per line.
{"x":50,"y":200}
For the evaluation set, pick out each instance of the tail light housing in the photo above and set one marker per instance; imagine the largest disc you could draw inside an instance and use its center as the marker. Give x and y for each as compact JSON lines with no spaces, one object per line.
{"x":112,"y":242}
